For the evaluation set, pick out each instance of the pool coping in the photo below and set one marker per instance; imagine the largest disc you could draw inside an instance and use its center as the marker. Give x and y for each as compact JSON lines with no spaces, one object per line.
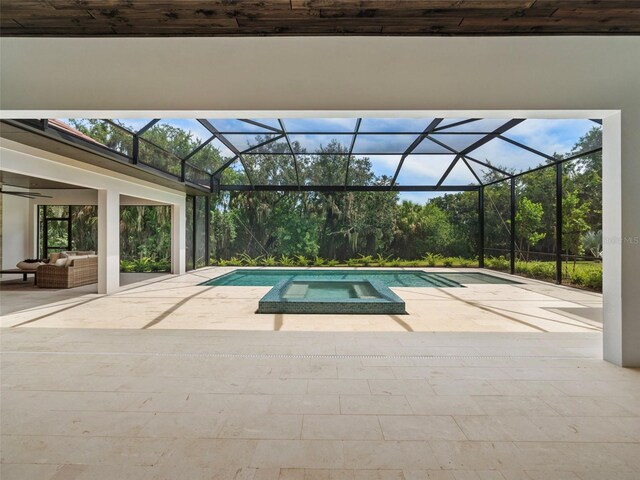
{"x":388,"y":304}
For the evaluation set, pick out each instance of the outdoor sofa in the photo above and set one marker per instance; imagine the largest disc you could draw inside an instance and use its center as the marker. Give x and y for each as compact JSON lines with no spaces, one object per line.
{"x":76,"y":271}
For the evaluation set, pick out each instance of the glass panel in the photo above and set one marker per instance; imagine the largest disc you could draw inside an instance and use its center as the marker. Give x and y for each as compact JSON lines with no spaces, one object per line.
{"x":507,"y":156}
{"x":423,"y":169}
{"x":247,"y":141}
{"x":321,"y":143}
{"x":216,"y":226}
{"x":293,"y":125}
{"x":271,"y":169}
{"x":535,"y":225}
{"x":84,"y":228}
{"x":497,"y":226}
{"x":383,"y":144}
{"x":211,"y":156}
{"x":189,"y":252}
{"x":460,"y":175}
{"x":99,"y":131}
{"x":449,"y":121}
{"x":58,"y":233}
{"x":582,"y":243}
{"x":458,"y":142}
{"x":41,"y":231}
{"x":413,"y":125}
{"x":179,"y":136}
{"x":233,"y":125}
{"x":486,"y":174}
{"x":197,"y":176}
{"x":429,"y":147}
{"x":134,"y":125}
{"x":274,"y":145}
{"x":587,"y":142}
{"x":200,"y":233}
{"x":234,"y":174}
{"x":270,"y":122}
{"x":483,"y":125}
{"x":374,"y":170}
{"x":322,"y":169}
{"x":145,"y":238}
{"x":157,"y":158}
{"x":57,"y":211}
{"x":551,"y":136}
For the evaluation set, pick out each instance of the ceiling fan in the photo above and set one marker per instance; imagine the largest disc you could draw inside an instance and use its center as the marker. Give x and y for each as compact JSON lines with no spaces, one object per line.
{"x":17,"y":193}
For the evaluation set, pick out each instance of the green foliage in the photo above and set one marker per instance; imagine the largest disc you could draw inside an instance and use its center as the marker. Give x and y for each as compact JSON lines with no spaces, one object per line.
{"x":592,"y":243}
{"x":249,"y":261}
{"x":145,"y":232}
{"x":286,"y":261}
{"x":497,"y":263}
{"x":582,"y":274}
{"x":318,"y":261}
{"x":432,"y":259}
{"x":528,"y":223}
{"x":145,"y":265}
{"x":421,"y":229}
{"x":382,"y":261}
{"x":587,"y":275}
{"x":365,"y":260}
{"x":301,"y":261}
{"x":234,"y":261}
{"x":269,"y":261}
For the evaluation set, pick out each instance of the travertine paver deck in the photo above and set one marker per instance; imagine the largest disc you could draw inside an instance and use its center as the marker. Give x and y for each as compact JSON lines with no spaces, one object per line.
{"x":88,"y":394}
{"x":179,"y":302}
{"x":125,"y":403}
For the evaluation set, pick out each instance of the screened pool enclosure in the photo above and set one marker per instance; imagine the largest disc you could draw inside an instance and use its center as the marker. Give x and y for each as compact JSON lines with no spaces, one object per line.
{"x":515,"y":190}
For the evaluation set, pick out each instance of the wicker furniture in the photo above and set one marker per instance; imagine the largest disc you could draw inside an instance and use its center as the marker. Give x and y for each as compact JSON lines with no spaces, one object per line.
{"x":82,"y":271}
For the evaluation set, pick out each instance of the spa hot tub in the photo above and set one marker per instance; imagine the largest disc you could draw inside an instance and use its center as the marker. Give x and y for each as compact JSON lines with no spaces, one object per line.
{"x":313,"y":295}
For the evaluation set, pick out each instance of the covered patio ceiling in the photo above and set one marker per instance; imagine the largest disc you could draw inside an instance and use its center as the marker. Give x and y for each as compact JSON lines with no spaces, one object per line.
{"x":334,"y":154}
{"x":204,"y":18}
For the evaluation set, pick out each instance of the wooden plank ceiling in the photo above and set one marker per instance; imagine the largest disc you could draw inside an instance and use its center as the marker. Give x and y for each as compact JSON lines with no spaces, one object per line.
{"x":87,"y":18}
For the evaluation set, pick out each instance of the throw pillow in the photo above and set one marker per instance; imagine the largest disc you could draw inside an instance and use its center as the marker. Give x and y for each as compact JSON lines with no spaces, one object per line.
{"x":61,"y":262}
{"x":28,"y":265}
{"x":53,"y":257}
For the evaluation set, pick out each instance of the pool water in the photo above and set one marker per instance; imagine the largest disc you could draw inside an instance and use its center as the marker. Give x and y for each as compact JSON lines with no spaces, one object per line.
{"x":391,"y":278}
{"x":339,"y":290}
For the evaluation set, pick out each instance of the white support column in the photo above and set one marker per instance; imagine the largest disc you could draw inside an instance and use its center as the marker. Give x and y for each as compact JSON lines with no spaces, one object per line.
{"x":108,"y":241}
{"x":621,"y":240}
{"x":612,"y":239}
{"x":178,"y":237}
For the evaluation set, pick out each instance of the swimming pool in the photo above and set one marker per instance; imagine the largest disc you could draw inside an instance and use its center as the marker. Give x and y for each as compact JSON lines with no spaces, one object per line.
{"x":259,"y":277}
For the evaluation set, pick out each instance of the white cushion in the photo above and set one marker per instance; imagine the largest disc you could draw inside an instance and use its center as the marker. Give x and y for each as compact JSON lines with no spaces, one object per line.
{"x":28,"y":265}
{"x":70,"y":259}
{"x":61,"y":262}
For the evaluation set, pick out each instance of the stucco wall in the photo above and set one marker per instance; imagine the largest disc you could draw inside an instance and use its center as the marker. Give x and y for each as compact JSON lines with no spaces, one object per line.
{"x":15,"y":231}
